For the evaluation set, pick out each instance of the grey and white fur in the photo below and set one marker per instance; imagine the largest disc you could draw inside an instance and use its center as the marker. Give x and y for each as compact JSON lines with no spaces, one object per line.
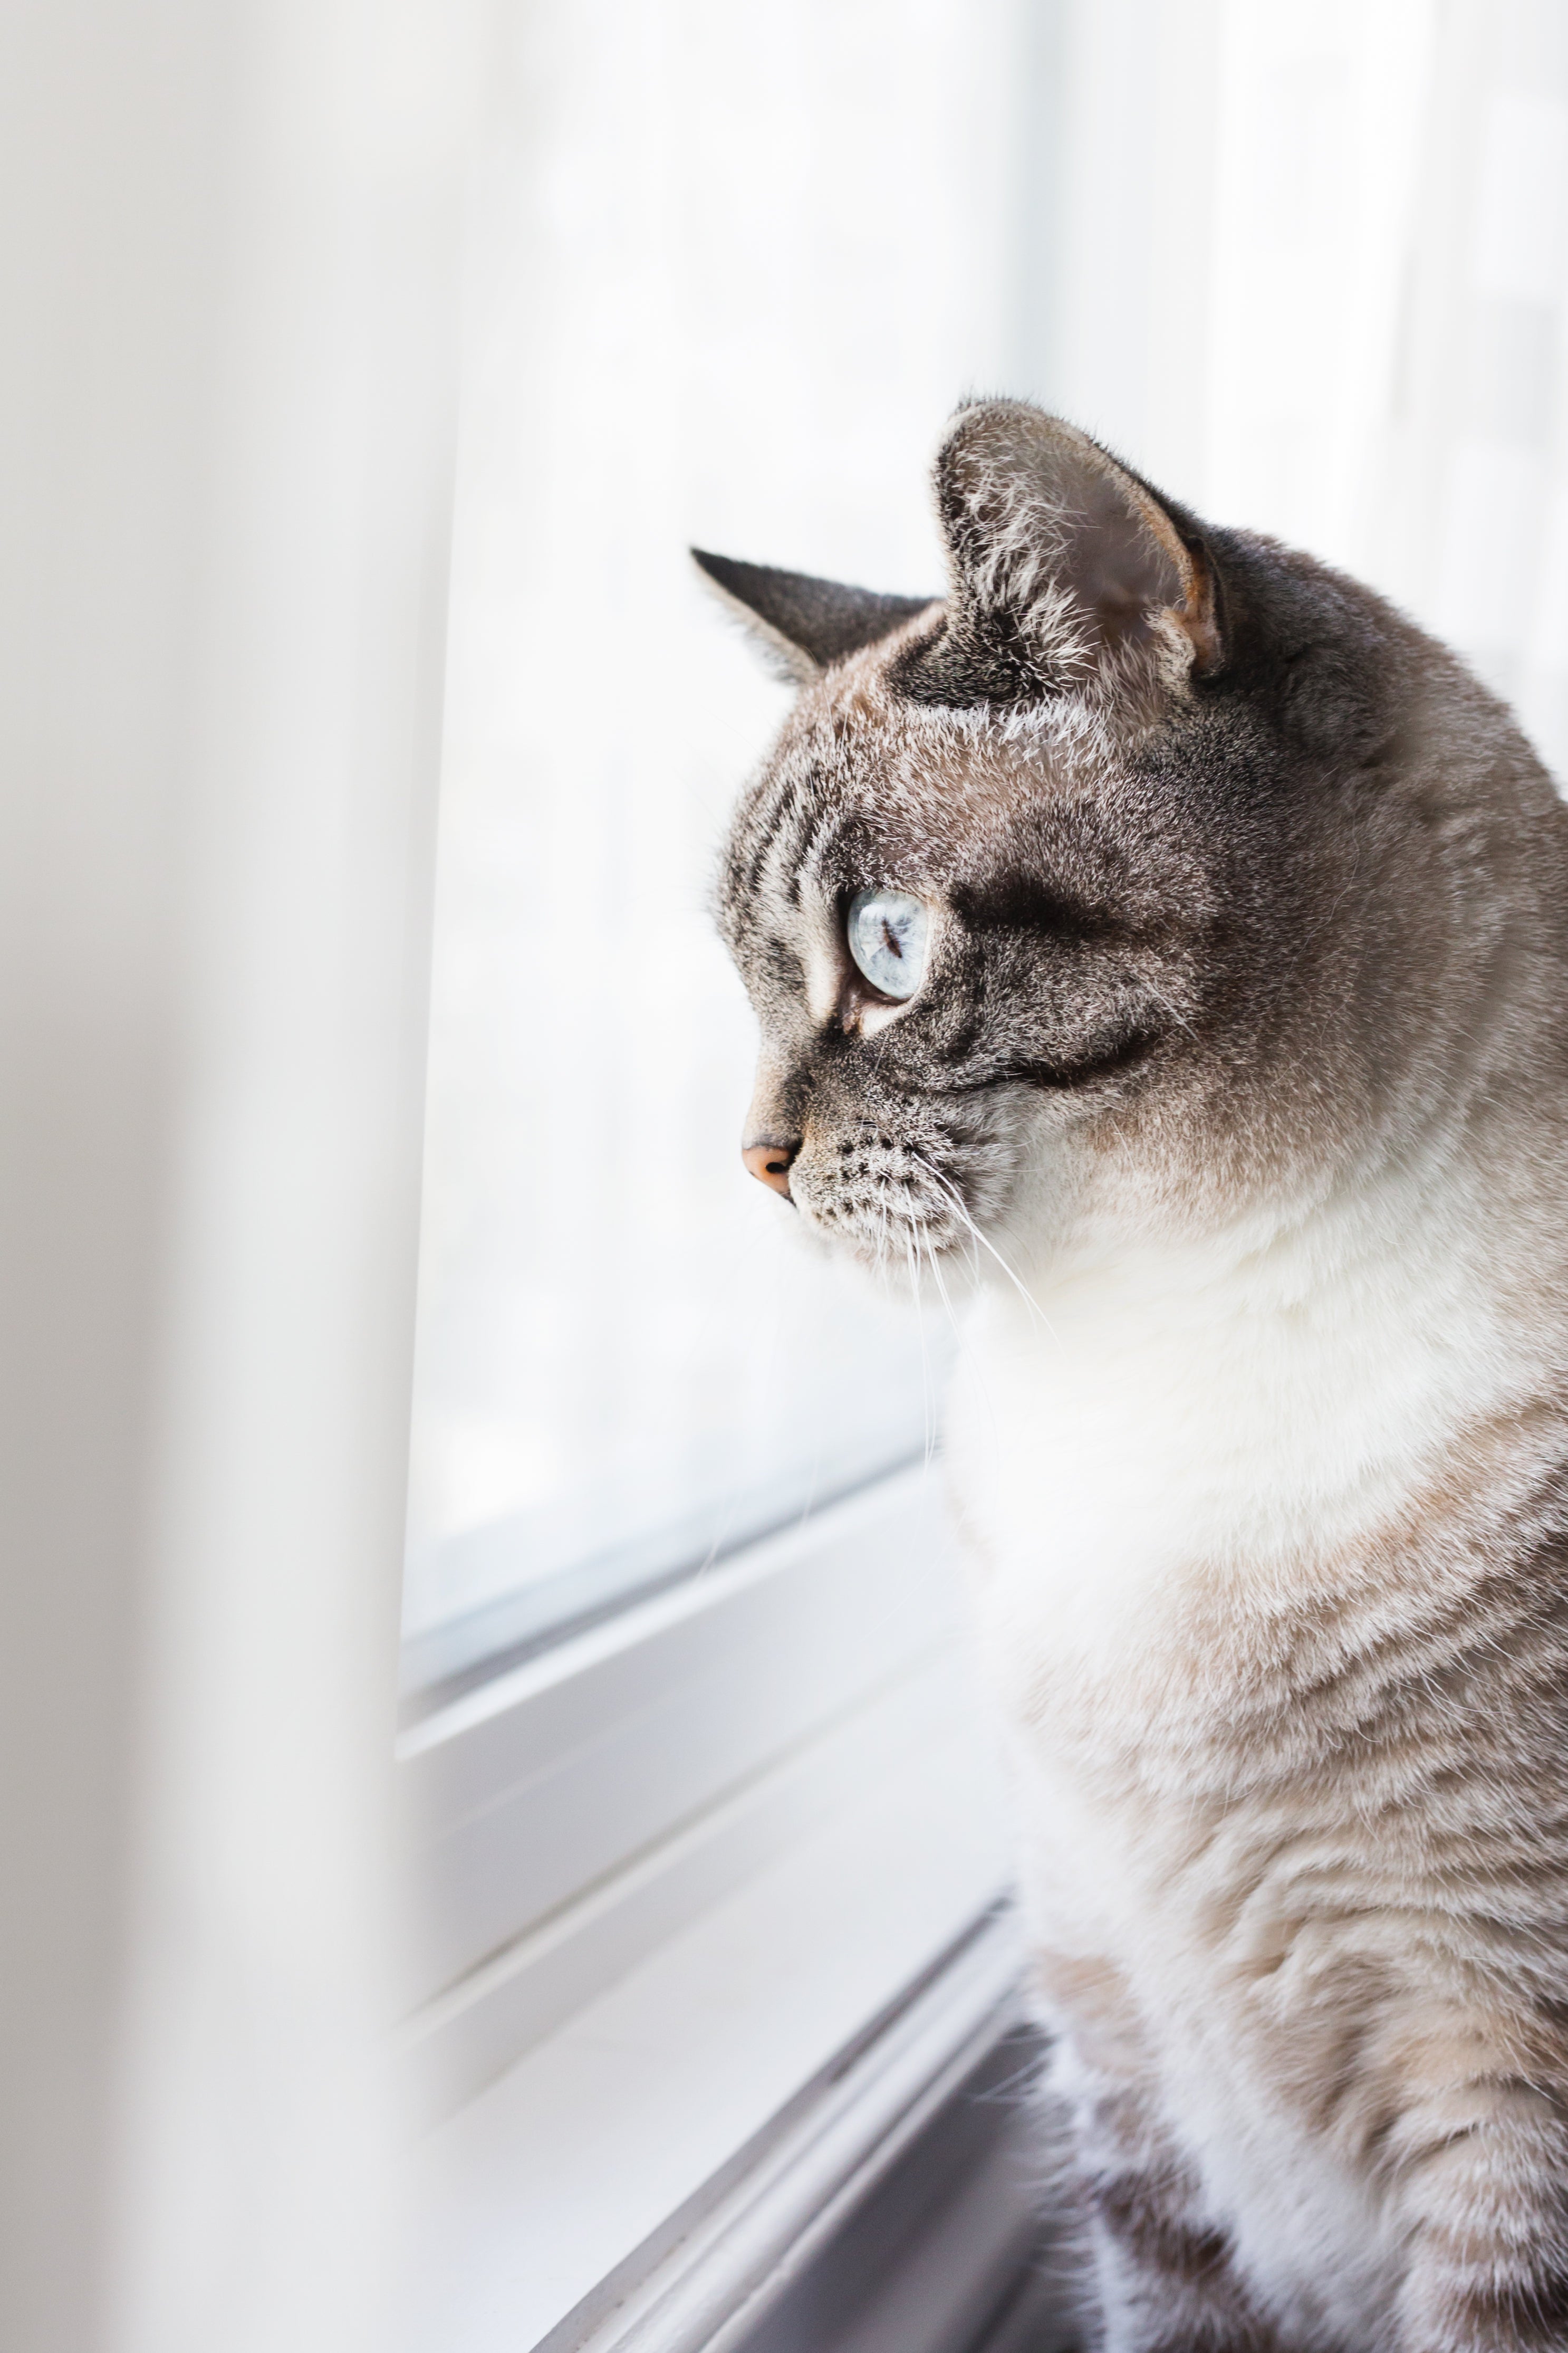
{"x":1239,"y":1068}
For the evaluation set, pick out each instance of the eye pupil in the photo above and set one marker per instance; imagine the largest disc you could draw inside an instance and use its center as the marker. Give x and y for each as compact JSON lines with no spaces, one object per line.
{"x":887,"y":933}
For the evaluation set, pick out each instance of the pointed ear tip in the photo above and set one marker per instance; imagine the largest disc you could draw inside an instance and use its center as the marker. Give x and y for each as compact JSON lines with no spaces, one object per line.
{"x":982,"y":409}
{"x":992,"y":419}
{"x":726,"y":573}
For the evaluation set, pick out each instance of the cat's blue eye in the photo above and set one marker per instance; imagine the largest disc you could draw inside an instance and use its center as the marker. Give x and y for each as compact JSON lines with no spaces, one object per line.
{"x":887,"y":932}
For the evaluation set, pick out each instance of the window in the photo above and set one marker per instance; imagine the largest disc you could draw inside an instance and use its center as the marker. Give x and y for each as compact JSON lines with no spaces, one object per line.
{"x":625,"y":1367}
{"x":681,"y":1620}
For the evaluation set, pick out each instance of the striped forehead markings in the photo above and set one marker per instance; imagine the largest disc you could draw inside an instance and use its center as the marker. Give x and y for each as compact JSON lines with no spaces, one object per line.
{"x":778,"y":825}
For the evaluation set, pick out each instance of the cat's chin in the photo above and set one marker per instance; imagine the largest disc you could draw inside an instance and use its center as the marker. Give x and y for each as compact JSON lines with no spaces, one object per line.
{"x":908,"y":1259}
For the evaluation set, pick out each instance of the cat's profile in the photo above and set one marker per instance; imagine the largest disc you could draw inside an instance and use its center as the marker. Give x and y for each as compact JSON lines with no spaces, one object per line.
{"x":1166,"y":922}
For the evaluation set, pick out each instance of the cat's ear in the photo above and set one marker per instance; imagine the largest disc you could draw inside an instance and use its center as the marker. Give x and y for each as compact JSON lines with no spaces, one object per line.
{"x":802,"y":625}
{"x":1064,"y":564}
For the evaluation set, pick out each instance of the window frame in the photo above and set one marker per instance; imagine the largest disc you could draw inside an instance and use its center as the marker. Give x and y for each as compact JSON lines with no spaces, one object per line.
{"x":566,"y":1819}
{"x":658,"y":2105}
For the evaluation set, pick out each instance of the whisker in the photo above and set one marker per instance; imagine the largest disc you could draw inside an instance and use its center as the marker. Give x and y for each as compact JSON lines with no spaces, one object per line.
{"x":951,"y":1190}
{"x":1161,"y":998}
{"x":965,"y":1352}
{"x":929,"y":1249}
{"x":925,"y":1357}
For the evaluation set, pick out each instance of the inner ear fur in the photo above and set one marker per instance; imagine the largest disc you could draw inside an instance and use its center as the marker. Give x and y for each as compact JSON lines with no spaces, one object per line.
{"x":804,"y":624}
{"x":1061,"y":558}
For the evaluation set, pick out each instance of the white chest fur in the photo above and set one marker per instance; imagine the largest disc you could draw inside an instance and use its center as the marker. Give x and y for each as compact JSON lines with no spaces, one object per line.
{"x":1246,"y":1404}
{"x":1238,"y":1410}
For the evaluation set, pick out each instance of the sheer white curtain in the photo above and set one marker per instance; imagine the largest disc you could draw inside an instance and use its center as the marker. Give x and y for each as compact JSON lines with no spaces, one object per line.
{"x":228,"y":237}
{"x":1312,"y":276}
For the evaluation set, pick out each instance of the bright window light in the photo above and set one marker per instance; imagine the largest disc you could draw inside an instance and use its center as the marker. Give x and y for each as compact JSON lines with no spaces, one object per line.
{"x":731,"y":270}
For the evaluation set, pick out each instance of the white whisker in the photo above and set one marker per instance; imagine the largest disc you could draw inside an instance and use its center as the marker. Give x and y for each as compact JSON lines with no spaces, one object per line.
{"x":925,"y":1356}
{"x":956,"y":1199}
{"x":1162,"y":998}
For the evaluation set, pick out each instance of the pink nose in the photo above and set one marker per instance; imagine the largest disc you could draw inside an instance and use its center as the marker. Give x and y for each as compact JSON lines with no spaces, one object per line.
{"x":770,"y":1163}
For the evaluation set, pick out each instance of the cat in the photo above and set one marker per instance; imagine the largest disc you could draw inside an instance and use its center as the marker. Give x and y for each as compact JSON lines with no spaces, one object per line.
{"x":1163,"y":925}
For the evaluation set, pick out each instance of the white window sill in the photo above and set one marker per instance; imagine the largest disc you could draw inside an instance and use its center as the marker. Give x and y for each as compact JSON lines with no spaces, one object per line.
{"x":661,"y":2154}
{"x":576,"y":1814}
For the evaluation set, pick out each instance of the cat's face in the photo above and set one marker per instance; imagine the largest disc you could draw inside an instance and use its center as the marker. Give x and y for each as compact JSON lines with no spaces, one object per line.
{"x":1031,"y":894}
{"x":961,"y":957}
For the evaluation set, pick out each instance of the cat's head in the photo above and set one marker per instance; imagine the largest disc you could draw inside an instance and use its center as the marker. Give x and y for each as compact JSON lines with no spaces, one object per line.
{"x":1080,"y":881}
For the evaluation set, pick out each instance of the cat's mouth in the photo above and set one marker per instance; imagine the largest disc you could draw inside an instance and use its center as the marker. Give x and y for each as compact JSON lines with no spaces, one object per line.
{"x":890,"y":1204}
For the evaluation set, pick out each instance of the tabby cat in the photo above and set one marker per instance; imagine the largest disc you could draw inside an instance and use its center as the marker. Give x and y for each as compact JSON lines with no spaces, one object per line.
{"x":1165,"y":926}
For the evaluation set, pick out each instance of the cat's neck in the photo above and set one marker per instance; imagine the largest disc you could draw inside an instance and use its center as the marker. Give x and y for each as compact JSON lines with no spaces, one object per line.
{"x":1456,"y":1224}
{"x":1253,"y":1392}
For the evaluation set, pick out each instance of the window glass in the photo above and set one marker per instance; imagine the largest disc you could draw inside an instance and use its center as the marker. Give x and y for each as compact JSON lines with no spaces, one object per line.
{"x":730,"y":269}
